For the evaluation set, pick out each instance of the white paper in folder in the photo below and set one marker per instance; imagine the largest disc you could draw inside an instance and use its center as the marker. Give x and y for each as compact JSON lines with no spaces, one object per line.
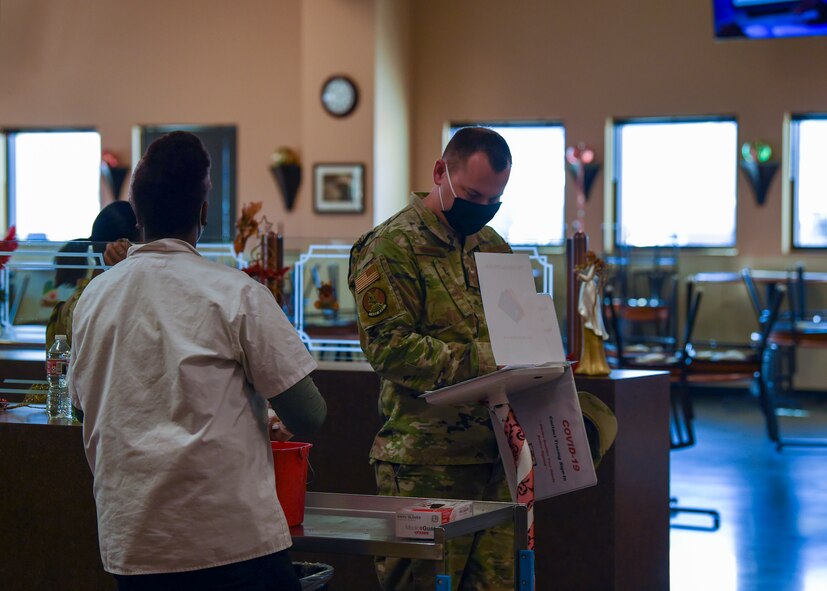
{"x":522,"y":323}
{"x":536,"y":382}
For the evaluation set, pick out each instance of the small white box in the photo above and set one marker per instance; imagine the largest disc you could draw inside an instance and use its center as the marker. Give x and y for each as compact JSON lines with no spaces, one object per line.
{"x":419,"y":521}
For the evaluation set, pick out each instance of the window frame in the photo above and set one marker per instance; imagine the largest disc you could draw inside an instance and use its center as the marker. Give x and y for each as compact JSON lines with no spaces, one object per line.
{"x":790,"y":174}
{"x":8,"y":205}
{"x":612,"y":219}
{"x":223,"y":196}
{"x":456,"y":124}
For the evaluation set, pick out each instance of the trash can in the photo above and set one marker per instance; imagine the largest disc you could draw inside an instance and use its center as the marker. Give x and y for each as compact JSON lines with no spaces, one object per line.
{"x":313,"y":575}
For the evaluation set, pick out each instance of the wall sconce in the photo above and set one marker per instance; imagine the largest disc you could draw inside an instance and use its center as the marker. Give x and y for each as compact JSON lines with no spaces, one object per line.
{"x":287,"y":173}
{"x":113,"y":173}
{"x":759,"y":169}
{"x":583,"y":168}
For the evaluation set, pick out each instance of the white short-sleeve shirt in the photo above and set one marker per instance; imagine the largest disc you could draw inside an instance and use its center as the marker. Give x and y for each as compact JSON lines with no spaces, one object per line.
{"x":173,"y":358}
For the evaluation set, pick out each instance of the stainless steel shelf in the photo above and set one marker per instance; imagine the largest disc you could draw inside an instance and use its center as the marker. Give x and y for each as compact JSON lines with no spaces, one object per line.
{"x":365,"y":525}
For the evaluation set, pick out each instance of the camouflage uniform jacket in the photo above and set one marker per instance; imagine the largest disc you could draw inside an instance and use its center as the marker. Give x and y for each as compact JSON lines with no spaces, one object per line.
{"x":60,"y":320}
{"x":421,"y":326}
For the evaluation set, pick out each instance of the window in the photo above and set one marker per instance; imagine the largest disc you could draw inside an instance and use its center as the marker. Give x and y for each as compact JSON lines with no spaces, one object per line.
{"x":53,"y":181}
{"x":220,"y":142}
{"x":532,"y":211}
{"x":808,"y":171}
{"x":675,"y":182}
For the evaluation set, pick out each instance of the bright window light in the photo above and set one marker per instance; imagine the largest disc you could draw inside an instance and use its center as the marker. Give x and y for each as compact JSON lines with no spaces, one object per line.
{"x":676,"y":183}
{"x":809,"y":147}
{"x":54,"y":183}
{"x":532,"y":211}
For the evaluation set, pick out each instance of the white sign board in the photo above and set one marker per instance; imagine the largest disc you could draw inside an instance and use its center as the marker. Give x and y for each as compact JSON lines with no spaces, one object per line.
{"x":536,"y":382}
{"x":522,"y":323}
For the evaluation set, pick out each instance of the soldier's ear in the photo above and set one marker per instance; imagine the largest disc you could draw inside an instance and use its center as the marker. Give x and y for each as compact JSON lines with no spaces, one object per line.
{"x":439,"y":171}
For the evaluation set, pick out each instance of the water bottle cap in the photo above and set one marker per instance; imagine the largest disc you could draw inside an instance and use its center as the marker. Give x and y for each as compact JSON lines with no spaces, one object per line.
{"x":60,"y":336}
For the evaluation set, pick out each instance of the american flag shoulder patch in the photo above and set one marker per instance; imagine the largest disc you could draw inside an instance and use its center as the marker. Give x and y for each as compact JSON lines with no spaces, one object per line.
{"x":368,"y":276}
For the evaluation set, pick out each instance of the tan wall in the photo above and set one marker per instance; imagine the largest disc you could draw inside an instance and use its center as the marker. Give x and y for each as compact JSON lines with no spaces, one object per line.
{"x":582,"y":63}
{"x":257,"y":64}
{"x":337,"y":37}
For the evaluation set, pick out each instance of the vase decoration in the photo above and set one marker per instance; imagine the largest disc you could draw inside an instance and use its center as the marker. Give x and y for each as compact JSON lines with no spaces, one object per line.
{"x":581,"y":165}
{"x":757,"y":164}
{"x":266,"y":257}
{"x":113,"y":172}
{"x":591,"y":274}
{"x":287,"y":172}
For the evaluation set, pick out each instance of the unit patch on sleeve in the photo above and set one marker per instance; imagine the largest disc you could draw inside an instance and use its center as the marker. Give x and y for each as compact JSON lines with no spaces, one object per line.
{"x":376,"y":299}
{"x":375,"y":302}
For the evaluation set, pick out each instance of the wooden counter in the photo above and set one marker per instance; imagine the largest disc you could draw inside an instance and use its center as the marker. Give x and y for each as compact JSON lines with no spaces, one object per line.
{"x":611,"y":536}
{"x":49,"y":535}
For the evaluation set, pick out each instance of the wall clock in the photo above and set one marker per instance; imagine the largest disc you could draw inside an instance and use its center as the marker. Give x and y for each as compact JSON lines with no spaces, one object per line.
{"x":339,"y":95}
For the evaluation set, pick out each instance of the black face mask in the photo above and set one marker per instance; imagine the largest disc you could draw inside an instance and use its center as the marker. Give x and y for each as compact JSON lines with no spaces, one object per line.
{"x":469,"y":218}
{"x":466,"y":217}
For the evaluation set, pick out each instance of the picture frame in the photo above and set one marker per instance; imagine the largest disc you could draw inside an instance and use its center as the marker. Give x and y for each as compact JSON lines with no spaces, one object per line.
{"x":339,"y":187}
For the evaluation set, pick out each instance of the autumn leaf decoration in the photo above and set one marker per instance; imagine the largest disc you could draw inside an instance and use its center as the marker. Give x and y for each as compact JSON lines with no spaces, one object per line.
{"x":247,"y":225}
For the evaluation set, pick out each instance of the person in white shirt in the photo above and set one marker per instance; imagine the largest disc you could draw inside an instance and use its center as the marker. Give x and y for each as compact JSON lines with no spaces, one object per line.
{"x":174,"y":360}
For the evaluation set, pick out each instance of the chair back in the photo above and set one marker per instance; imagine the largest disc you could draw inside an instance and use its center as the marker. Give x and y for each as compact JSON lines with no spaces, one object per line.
{"x":681,"y":413}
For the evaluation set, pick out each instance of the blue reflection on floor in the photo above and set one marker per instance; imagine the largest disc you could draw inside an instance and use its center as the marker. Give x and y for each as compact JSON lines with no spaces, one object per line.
{"x":773,"y":505}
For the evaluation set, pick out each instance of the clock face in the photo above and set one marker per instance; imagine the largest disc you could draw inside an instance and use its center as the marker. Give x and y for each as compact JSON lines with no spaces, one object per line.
{"x":339,"y":96}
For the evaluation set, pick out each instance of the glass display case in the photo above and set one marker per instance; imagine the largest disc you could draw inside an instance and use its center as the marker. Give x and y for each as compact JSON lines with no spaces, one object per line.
{"x":36,"y":275}
{"x":323,"y":310}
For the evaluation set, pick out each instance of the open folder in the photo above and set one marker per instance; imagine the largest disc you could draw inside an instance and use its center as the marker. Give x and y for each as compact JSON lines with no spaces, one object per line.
{"x":536,"y":381}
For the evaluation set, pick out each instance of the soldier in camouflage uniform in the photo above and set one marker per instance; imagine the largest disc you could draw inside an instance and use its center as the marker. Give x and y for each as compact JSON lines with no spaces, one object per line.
{"x":422,"y":327}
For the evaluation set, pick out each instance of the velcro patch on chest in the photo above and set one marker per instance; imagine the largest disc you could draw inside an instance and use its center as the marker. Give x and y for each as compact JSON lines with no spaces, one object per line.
{"x":501,"y":248}
{"x":427,"y":250}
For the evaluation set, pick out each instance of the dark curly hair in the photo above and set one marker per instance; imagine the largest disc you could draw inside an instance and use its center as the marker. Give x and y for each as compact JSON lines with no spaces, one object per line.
{"x":115,"y":221}
{"x":170,"y":184}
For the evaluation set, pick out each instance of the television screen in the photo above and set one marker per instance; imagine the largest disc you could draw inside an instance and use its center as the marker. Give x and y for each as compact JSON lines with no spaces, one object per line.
{"x":765,"y":19}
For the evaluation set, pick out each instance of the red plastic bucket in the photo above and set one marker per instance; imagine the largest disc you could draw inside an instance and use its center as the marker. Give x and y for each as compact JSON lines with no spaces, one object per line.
{"x":290,"y":462}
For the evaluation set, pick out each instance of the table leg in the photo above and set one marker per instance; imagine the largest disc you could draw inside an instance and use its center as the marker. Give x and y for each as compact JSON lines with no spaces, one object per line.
{"x":525,"y":570}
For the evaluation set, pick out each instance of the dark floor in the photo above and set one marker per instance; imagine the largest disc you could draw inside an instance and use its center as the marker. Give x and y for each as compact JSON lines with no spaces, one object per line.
{"x":773,"y":506}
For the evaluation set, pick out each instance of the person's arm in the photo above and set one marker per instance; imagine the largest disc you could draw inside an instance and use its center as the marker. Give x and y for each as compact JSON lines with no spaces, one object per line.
{"x":300,"y":408}
{"x":276,"y":362}
{"x":390,"y":339}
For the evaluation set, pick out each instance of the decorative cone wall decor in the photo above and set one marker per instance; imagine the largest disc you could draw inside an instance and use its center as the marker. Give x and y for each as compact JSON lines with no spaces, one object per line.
{"x":757,"y":165}
{"x":113,"y":172}
{"x":287,"y":172}
{"x":288,"y":178}
{"x":115,"y":177}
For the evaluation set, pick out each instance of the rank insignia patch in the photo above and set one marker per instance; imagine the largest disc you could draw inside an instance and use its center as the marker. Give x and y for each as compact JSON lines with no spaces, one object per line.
{"x":375,"y":302}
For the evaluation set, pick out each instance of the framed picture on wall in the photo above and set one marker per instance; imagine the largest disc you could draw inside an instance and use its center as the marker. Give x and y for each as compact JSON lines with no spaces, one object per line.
{"x":338,"y":188}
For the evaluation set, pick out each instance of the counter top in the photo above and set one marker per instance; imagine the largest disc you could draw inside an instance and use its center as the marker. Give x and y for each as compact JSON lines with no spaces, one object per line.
{"x":32,"y":414}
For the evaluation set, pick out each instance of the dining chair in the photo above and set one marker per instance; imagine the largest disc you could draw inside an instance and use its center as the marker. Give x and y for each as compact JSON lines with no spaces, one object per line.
{"x":713,"y":362}
{"x":798,"y":328}
{"x":681,"y":411}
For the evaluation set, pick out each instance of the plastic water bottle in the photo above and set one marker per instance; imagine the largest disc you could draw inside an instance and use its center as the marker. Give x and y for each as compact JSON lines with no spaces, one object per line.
{"x":58,"y":403}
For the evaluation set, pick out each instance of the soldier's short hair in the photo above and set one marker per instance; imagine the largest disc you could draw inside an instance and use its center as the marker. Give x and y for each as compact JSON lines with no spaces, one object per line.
{"x":470,"y":140}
